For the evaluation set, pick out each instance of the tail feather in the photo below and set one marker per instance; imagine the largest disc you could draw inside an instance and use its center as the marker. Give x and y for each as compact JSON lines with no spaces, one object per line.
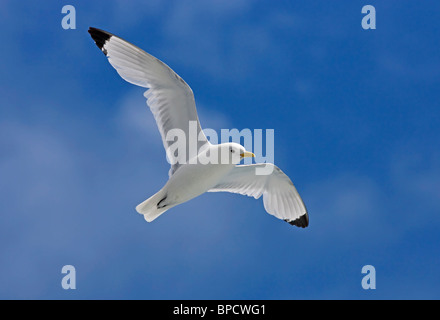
{"x":150,"y":209}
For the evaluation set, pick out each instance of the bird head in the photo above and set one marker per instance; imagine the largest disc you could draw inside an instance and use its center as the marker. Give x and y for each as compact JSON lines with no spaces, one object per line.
{"x":234,"y":152}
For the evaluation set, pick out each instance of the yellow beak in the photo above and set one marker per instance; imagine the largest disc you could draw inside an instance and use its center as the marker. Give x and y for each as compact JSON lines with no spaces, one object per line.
{"x":247,"y":155}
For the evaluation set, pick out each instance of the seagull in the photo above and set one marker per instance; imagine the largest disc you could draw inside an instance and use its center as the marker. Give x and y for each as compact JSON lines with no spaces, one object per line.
{"x":172,"y":103}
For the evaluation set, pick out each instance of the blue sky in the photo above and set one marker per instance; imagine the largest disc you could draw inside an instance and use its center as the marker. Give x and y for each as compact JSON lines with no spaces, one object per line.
{"x":356,"y":119}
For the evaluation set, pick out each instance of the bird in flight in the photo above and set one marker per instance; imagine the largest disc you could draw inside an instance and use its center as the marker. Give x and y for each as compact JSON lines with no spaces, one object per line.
{"x":172,"y":103}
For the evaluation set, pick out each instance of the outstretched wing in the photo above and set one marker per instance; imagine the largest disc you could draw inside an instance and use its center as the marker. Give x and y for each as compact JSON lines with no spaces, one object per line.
{"x":279,"y":194}
{"x":170,"y":99}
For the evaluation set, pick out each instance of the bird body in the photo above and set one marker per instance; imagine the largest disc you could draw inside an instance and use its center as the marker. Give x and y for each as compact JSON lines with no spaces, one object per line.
{"x":205,"y":167}
{"x":190,"y":181}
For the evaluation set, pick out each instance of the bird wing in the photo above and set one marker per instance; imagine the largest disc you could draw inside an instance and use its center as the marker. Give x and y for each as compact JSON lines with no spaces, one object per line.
{"x":279,"y":194}
{"x":170,"y":99}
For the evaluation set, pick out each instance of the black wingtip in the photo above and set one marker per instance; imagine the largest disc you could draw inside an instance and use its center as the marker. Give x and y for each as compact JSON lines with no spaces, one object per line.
{"x":100,"y":37}
{"x":301,"y":222}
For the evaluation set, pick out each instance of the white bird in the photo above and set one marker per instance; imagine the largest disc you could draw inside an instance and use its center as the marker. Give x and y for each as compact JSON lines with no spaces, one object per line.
{"x":172,"y":103}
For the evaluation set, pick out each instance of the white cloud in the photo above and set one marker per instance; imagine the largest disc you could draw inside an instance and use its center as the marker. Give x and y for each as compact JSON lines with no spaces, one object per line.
{"x":202,"y":36}
{"x":353,"y":206}
{"x":33,"y":160}
{"x":416,"y":175}
{"x":134,"y":117}
{"x":347,"y":205}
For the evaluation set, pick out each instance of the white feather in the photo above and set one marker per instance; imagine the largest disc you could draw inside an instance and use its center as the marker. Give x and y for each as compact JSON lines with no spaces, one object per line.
{"x":280,"y":196}
{"x":169,"y":97}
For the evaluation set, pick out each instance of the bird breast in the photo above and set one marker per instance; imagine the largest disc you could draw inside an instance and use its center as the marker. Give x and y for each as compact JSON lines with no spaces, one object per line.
{"x":191,"y":180}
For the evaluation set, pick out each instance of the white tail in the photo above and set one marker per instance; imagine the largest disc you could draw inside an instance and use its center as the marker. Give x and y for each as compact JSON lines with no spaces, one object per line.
{"x":149,"y":207}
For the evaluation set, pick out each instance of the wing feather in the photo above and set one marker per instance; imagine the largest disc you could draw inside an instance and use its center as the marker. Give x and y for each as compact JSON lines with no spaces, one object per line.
{"x":280,"y":197}
{"x":169,"y":97}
